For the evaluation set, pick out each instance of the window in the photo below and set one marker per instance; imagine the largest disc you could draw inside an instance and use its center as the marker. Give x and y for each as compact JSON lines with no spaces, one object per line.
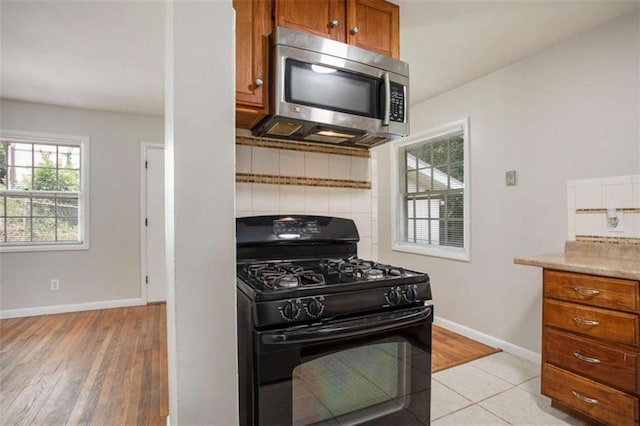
{"x":431,"y":208}
{"x":43,"y":192}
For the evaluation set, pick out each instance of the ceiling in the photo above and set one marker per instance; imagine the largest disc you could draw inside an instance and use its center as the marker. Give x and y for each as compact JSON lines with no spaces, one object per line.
{"x":106,"y":55}
{"x":450,"y":43}
{"x":109,"y":55}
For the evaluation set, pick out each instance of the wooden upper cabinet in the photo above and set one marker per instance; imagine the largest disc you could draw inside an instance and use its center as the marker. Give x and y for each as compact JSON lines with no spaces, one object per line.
{"x":324,"y":18}
{"x":369,"y":24}
{"x":253,"y":26}
{"x":374,"y":25}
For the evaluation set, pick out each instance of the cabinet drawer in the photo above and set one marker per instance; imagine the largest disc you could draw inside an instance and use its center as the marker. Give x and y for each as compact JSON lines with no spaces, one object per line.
{"x":592,"y":398}
{"x":613,"y":326}
{"x":601,"y":362}
{"x":592,"y":290}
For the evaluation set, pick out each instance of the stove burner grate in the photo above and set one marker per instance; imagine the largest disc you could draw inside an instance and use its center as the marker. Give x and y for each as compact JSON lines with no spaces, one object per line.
{"x":361,"y":269}
{"x":283,"y":275}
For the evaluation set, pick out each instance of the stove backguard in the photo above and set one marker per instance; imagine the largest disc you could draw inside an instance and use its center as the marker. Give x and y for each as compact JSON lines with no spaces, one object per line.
{"x":290,"y":237}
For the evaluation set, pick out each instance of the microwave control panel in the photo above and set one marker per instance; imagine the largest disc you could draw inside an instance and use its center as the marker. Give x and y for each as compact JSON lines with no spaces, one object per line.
{"x":397,"y":103}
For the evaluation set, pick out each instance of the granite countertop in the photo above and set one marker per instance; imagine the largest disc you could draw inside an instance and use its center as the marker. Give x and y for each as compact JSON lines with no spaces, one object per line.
{"x":618,"y":261}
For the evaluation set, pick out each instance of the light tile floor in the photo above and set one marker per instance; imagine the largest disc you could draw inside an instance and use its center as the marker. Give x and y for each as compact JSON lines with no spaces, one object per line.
{"x":500,"y":389}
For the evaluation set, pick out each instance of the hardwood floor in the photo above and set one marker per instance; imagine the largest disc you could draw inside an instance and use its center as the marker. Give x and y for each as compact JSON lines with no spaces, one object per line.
{"x":105,"y":367}
{"x":450,"y":349}
{"x":109,"y":367}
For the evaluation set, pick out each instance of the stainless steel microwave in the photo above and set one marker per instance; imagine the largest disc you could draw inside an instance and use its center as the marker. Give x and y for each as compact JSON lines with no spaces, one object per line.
{"x":328,"y":92}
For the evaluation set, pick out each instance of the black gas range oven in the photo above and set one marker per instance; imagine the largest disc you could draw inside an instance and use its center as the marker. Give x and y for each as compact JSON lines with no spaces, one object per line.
{"x":324,"y":337}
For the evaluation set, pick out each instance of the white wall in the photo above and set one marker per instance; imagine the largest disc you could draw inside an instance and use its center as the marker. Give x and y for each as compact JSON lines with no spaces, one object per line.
{"x":570,"y":112}
{"x":110,"y":269}
{"x":200,"y":141}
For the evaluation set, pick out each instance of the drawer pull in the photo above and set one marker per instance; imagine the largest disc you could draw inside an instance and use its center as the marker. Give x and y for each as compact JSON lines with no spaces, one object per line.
{"x":585,"y":322}
{"x":586,"y":291}
{"x":584,"y":398}
{"x":586,"y":358}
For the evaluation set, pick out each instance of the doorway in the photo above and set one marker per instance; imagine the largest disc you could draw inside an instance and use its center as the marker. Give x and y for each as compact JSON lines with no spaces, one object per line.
{"x":153,"y":259}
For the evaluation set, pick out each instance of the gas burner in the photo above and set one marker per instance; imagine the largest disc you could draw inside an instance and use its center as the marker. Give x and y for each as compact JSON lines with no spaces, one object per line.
{"x":360,"y":264}
{"x":287,"y":281}
{"x":374,"y":274}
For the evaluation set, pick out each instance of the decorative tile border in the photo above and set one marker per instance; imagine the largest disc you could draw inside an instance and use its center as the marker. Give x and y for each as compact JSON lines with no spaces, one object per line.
{"x":302,"y":146}
{"x":623,"y":210}
{"x":301,"y":181}
{"x":607,"y":240}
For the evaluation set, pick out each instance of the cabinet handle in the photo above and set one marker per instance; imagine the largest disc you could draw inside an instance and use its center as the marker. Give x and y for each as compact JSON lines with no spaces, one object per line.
{"x":584,"y":398}
{"x":585,"y":322}
{"x":354,"y":30}
{"x":259,"y":82}
{"x":334,"y":23}
{"x":586,"y":291}
{"x":586,"y":358}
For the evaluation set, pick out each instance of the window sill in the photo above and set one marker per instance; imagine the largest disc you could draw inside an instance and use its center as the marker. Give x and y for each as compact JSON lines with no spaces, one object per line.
{"x":43,"y":247}
{"x":441,"y":252}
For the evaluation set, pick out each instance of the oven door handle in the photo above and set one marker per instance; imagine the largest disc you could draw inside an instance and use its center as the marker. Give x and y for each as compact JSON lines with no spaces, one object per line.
{"x":353,"y":328}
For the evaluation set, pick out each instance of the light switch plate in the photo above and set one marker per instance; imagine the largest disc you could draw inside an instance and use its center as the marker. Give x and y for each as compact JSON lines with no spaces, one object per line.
{"x":510,"y":178}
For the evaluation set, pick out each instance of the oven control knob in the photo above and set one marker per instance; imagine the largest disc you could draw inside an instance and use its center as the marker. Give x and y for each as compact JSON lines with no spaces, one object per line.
{"x":411,"y":294}
{"x":290,"y":311}
{"x":315,"y":308}
{"x":393,"y":297}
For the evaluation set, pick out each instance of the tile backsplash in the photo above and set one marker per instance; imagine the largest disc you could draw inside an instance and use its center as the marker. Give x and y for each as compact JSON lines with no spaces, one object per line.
{"x":604,"y":209}
{"x":353,"y":203}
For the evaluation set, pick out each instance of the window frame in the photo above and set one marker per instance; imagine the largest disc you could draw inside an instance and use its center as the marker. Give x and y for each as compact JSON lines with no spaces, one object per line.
{"x":398,"y":202}
{"x":83,"y":192}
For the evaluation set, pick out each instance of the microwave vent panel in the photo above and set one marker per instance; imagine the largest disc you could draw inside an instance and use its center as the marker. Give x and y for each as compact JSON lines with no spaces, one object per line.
{"x":314,"y":137}
{"x":283,"y":129}
{"x":372,"y":141}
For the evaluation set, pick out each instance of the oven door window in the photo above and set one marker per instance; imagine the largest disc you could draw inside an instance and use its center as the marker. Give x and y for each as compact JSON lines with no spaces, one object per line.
{"x":375,"y":380}
{"x":351,"y":386}
{"x":332,"y":89}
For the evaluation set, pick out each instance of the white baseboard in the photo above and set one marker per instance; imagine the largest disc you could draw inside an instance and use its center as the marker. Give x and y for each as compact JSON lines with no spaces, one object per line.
{"x":489,"y":340}
{"x":61,"y":309}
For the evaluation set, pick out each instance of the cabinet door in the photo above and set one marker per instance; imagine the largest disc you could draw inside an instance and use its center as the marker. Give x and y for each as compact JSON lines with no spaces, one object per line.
{"x":374,"y":25}
{"x":613,"y":326}
{"x":614,"y":293}
{"x":253,"y":25}
{"x":594,"y":399}
{"x":324,"y":18}
{"x":609,"y":364}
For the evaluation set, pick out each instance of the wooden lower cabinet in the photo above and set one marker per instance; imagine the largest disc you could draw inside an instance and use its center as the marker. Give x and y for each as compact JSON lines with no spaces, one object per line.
{"x":592,"y":398}
{"x":601,"y":362}
{"x":591,"y":346}
{"x":619,"y":327}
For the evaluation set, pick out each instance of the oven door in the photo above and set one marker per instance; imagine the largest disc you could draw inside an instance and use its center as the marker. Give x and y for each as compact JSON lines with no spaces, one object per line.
{"x":371,"y":370}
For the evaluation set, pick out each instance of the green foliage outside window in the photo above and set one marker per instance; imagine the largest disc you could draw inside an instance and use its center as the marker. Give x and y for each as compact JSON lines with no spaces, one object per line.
{"x":47,"y":177}
{"x":26,"y":216}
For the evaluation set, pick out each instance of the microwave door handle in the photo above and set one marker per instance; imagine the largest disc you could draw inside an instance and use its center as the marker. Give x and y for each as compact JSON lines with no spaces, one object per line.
{"x":387,"y":100}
